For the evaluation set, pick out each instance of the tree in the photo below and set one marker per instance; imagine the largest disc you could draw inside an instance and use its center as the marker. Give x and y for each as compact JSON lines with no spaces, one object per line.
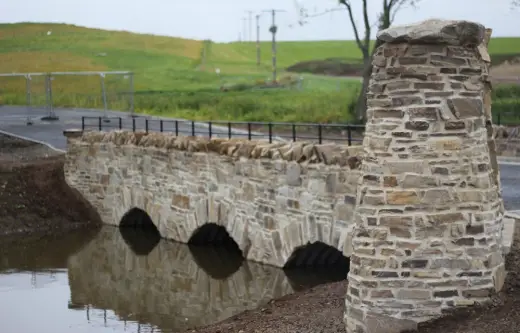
{"x":386,"y":17}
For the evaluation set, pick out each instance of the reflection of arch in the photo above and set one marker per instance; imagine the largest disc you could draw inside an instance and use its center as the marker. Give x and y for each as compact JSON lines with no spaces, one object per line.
{"x":141,"y":242}
{"x":214,"y":235}
{"x":218,"y":262}
{"x":166,"y":287}
{"x":317,"y":254}
{"x":139,"y":232}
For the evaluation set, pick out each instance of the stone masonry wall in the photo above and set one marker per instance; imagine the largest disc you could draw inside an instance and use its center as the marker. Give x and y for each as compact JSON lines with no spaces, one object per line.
{"x":271,"y":198}
{"x":429,"y":216}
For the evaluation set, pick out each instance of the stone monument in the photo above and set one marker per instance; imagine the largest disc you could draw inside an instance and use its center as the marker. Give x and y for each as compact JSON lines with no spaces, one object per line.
{"x":428,"y":220}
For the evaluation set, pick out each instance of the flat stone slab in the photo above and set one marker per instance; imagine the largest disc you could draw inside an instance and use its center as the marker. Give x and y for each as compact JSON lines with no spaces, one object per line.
{"x":510,"y":220}
{"x":435,"y":31}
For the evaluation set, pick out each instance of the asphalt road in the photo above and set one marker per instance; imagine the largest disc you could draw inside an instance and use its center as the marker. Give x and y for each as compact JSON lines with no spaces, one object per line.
{"x":13,"y":120}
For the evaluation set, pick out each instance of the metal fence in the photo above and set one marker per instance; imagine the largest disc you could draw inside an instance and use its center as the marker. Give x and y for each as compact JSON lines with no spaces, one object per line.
{"x":271,"y":131}
{"x":40,"y":92}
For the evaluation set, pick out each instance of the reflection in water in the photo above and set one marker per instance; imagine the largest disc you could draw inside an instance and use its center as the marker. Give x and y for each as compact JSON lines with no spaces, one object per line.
{"x":124,"y":280}
{"x":140,"y":241}
{"x":166,"y":288}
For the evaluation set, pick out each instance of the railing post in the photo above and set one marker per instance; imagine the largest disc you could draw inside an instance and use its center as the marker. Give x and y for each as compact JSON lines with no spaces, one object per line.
{"x":146,"y":125}
{"x":133,"y":124}
{"x":120,"y":123}
{"x":249,"y":136}
{"x":294,"y":132}
{"x":349,"y":135}
{"x":100,"y":123}
{"x":229,"y":130}
{"x":192,"y":128}
{"x":176,"y":128}
{"x":209,"y":129}
{"x":320,"y":139}
{"x":161,"y":125}
{"x":82,"y":123}
{"x":270,"y":126}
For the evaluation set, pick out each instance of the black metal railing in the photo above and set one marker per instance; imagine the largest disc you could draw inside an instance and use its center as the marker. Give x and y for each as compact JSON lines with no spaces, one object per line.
{"x":272,"y":131}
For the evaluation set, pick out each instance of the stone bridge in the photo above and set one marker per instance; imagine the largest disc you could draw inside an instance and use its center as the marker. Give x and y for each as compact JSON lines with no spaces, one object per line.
{"x":417,"y":207}
{"x":271,"y":198}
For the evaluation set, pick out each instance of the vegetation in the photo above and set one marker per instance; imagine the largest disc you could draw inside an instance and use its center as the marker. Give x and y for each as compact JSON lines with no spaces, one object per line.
{"x":178,"y":77}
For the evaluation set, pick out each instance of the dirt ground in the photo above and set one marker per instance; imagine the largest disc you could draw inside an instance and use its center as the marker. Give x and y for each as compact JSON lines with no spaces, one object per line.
{"x":34,"y":197}
{"x":320,"y":310}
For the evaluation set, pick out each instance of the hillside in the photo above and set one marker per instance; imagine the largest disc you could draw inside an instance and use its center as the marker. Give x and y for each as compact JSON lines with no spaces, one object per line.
{"x":165,"y":67}
{"x":161,"y":62}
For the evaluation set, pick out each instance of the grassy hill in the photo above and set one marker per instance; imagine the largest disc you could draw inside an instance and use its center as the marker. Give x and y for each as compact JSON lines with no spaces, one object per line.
{"x":172,"y":76}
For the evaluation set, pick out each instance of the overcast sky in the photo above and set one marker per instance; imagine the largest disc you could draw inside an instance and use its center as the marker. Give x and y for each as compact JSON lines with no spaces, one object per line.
{"x":222,"y":20}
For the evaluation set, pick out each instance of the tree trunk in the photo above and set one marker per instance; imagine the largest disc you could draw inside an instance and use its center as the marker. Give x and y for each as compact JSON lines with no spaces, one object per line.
{"x":361,"y":104}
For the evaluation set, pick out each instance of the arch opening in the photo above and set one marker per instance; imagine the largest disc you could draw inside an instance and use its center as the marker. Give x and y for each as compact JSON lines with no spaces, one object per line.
{"x":139,"y":232}
{"x":215,"y":251}
{"x":314,"y":264}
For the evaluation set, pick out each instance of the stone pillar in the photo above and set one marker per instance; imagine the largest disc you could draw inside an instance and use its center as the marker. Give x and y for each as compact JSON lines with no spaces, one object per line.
{"x":428,"y":217}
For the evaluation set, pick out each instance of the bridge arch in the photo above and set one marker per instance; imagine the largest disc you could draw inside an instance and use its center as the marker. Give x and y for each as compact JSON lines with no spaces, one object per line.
{"x":316,"y":255}
{"x":139,"y":232}
{"x":212,"y":234}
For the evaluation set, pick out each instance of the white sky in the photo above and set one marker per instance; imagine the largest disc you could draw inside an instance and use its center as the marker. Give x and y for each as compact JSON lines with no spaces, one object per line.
{"x":222,"y":20}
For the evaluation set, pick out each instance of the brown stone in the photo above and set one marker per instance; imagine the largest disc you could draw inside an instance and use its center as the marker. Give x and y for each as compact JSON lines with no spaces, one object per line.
{"x":402,"y":198}
{"x":181,"y":201}
{"x":389,"y":181}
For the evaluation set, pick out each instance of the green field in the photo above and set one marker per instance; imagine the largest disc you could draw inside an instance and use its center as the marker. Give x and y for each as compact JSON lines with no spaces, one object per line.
{"x":172,"y":78}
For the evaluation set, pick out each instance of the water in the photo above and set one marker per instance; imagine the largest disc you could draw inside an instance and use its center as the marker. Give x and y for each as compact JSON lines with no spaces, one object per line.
{"x":105,"y":281}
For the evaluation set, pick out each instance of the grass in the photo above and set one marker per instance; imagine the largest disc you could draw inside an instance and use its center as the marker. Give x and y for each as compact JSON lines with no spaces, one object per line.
{"x":171,"y":77}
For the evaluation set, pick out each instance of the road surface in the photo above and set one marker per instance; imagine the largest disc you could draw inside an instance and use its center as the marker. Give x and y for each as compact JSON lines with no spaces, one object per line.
{"x":13,"y":120}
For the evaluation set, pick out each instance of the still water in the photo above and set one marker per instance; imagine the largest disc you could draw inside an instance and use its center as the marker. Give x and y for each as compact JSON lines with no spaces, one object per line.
{"x":108,"y":281}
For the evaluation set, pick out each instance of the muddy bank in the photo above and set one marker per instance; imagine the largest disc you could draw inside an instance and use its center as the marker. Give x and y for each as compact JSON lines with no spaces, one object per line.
{"x":34,"y":197}
{"x":320,"y":310}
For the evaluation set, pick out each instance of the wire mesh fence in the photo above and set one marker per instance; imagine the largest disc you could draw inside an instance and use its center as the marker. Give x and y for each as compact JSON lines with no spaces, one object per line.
{"x":42,"y":92}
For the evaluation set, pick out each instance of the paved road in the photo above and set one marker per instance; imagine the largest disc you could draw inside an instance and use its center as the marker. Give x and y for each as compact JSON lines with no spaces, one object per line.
{"x":13,"y":120}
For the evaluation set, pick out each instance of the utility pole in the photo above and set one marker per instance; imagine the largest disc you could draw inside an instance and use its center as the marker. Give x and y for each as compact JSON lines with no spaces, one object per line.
{"x":273,"y":29}
{"x":257,"y":39}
